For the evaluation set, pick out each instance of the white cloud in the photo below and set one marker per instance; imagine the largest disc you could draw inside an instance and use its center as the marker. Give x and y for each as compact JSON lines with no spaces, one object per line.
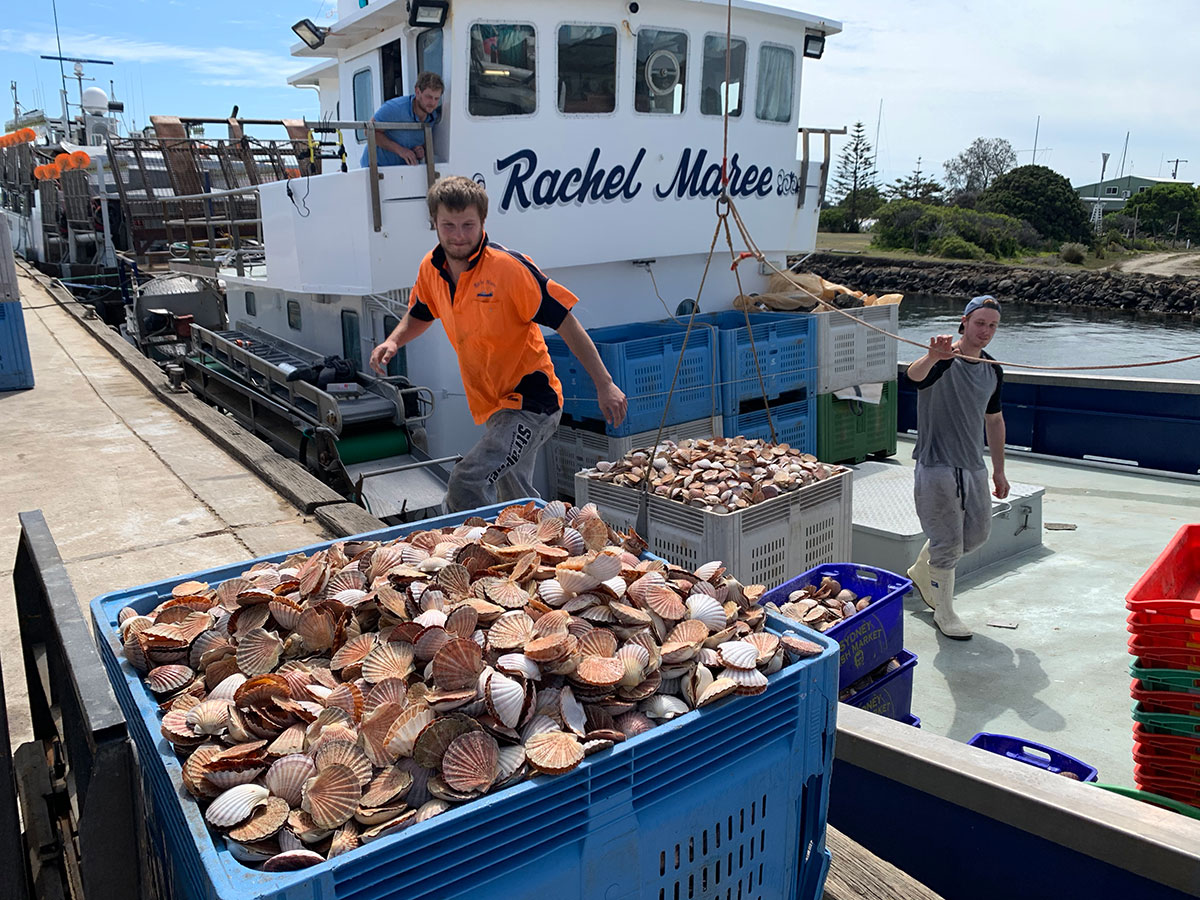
{"x":950,"y":72}
{"x":216,"y":66}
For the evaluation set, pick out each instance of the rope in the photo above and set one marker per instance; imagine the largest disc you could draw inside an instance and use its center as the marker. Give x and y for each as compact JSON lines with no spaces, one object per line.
{"x":760,"y":257}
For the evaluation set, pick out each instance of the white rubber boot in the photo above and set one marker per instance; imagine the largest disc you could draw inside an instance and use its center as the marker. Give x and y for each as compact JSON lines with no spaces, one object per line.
{"x":942,"y":581}
{"x":919,"y":573}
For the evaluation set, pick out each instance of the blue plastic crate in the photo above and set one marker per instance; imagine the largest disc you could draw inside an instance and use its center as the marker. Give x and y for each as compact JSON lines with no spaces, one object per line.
{"x":673,"y":811}
{"x":641,"y":359}
{"x":795,"y":424}
{"x":16,"y":368}
{"x":891,"y":695}
{"x":914,"y":721}
{"x":783,"y":345}
{"x":870,"y":637}
{"x":1033,"y":754}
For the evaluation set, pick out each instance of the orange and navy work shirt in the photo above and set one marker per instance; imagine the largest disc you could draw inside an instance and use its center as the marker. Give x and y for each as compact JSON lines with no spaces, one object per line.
{"x":491,"y":317}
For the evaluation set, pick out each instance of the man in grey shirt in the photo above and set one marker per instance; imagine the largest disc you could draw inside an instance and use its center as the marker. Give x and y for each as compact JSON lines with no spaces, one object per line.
{"x":957,"y":403}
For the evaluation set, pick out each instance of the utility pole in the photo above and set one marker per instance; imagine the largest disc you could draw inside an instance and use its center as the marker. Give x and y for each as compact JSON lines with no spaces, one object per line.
{"x":1175,"y":170}
{"x":1123,"y":151}
{"x":1036,"y":129}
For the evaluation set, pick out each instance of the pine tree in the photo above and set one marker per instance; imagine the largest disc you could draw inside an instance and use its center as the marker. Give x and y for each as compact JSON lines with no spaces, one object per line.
{"x":855,"y":182}
{"x":916,"y":186}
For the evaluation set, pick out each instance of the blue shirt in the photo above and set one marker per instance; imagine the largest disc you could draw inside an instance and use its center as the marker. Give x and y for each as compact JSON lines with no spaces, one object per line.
{"x":399,"y":109}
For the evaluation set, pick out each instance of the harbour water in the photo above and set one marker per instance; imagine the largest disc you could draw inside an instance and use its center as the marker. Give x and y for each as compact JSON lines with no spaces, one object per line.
{"x":1045,"y":335}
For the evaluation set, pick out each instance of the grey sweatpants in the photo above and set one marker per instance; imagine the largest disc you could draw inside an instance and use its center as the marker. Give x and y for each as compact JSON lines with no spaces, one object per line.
{"x":955,"y":509}
{"x":500,"y":466}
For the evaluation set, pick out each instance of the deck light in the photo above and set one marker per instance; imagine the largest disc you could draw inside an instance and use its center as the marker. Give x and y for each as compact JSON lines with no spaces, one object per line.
{"x":428,"y":13}
{"x":311,"y":33}
{"x":814,"y":44}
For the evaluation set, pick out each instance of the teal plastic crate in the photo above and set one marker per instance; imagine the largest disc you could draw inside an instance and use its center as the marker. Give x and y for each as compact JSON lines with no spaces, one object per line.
{"x":16,"y":368}
{"x":795,"y":424}
{"x":732,"y":797}
{"x":641,"y":358}
{"x":782,"y":344}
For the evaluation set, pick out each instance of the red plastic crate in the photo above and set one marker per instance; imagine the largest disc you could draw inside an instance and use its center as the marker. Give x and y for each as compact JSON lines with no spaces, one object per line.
{"x":1166,"y":701}
{"x":1152,"y":654}
{"x":1182,"y":789}
{"x":1183,"y":749}
{"x":1164,"y":765}
{"x":1175,"y":575}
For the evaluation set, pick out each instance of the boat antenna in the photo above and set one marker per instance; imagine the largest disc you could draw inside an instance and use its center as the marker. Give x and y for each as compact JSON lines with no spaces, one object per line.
{"x":878,"y":123}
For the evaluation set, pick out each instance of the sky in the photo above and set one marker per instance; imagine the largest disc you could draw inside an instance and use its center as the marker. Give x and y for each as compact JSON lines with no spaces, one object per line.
{"x":946,"y":72}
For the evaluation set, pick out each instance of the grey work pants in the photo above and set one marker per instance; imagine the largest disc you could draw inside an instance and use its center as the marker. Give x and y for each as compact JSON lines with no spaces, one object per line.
{"x":955,"y":509}
{"x":500,"y":466}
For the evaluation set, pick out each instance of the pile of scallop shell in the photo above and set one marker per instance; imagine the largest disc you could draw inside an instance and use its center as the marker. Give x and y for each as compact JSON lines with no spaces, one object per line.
{"x":327,"y":701}
{"x":719,"y":474}
{"x":821,"y":606}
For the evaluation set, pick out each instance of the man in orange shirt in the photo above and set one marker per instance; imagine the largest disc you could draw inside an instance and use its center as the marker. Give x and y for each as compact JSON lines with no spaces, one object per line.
{"x":491,"y":301}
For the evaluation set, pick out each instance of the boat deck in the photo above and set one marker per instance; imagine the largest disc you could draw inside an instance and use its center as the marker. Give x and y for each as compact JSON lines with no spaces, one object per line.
{"x":1061,"y":677}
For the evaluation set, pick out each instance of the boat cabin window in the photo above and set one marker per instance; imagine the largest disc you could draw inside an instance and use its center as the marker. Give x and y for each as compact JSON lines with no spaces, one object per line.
{"x":351,"y":338}
{"x":399,"y":362}
{"x":587,"y":69}
{"x":712,"y":76}
{"x":776,"y":79}
{"x":391,"y":72}
{"x":503,"y":79}
{"x":661,"y":73}
{"x":429,"y":51}
{"x":293,"y":313}
{"x":364,"y":105}
{"x":251,"y":306}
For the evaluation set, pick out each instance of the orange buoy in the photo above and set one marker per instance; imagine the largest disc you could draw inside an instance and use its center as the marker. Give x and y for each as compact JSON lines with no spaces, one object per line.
{"x":64,"y":161}
{"x":29,"y":134}
{"x":81,"y":159}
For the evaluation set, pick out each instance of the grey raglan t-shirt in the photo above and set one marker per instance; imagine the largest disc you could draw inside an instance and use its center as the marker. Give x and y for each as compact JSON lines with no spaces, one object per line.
{"x":952,"y":401}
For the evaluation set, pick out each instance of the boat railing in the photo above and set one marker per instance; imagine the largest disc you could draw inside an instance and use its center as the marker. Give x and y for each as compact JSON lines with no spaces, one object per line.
{"x":805,"y":133}
{"x":370,"y":127}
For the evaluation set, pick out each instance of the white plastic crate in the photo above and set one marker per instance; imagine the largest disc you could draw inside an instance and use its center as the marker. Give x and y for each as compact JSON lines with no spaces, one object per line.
{"x":849,"y":353}
{"x":573,"y":449}
{"x":764,"y":544}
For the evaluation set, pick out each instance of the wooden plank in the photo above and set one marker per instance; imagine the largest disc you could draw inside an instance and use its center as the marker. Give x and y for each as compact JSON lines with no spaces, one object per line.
{"x":344,"y":519}
{"x":858,"y":874}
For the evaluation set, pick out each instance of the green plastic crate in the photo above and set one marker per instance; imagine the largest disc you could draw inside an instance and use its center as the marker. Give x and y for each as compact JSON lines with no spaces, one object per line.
{"x":850,"y":430}
{"x":1179,"y":680}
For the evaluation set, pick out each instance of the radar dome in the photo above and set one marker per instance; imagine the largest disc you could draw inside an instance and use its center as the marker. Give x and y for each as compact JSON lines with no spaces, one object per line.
{"x":95,"y":101}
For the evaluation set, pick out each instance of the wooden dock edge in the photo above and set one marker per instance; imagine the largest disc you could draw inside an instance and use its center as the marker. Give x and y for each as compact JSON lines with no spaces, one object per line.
{"x":295,"y":483}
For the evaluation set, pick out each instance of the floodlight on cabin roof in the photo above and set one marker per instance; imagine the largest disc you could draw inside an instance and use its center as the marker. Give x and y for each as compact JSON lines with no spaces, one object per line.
{"x":310,"y":32}
{"x":428,"y":13}
{"x":814,"y":44}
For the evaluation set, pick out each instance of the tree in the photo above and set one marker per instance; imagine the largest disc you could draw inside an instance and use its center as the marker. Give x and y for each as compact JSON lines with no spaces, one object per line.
{"x":1158,"y":208}
{"x":1041,"y":197}
{"x":979,"y":165}
{"x":916,"y":186}
{"x":854,"y":184}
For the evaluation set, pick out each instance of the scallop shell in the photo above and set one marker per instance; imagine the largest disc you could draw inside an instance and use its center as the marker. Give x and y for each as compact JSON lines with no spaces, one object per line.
{"x":390,"y":660}
{"x":392,"y":826}
{"x":708,"y":610}
{"x":404,"y":730}
{"x":355,"y":650}
{"x":598,"y":642}
{"x":331,"y":796}
{"x":164,"y":679}
{"x":767,"y":645}
{"x":431,"y":617}
{"x":287,"y":775}
{"x":573,"y":581}
{"x":471,"y":762}
{"x":519,"y":664}
{"x":798,"y":648}
{"x":554,"y":752}
{"x":457,"y":665}
{"x":510,"y":761}
{"x":344,"y":753}
{"x":665,"y":602}
{"x":663,"y":707}
{"x":429,"y":641}
{"x":738,"y":655}
{"x":600,"y":671}
{"x":721,"y":687}
{"x":571,"y":712}
{"x":291,"y":860}
{"x":505,"y":698}
{"x":389,"y":786}
{"x":258,"y":652}
{"x":709,"y":570}
{"x":263,"y":823}
{"x":749,"y":681}
{"x":235,"y":805}
{"x":209,"y":717}
{"x":631,"y":724}
{"x":344,"y":840}
{"x":349,"y":697}
{"x":462,"y":621}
